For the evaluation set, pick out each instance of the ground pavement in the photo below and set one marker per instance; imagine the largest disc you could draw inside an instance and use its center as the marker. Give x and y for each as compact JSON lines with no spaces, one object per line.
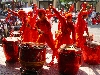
{"x":95,"y":30}
{"x":2,"y":17}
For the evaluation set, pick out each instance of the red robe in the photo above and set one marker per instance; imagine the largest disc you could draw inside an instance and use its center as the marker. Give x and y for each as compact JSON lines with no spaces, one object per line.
{"x":47,"y":35}
{"x":66,"y":29}
{"x":81,"y":26}
{"x":25,"y":30}
{"x":33,"y":34}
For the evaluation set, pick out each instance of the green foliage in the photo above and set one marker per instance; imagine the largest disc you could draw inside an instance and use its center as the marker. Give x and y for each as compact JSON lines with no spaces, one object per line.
{"x":66,"y":1}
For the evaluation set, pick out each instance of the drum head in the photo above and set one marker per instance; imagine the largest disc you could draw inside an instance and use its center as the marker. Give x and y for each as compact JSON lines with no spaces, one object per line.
{"x":11,"y":39}
{"x":66,"y":48}
{"x":34,"y":45}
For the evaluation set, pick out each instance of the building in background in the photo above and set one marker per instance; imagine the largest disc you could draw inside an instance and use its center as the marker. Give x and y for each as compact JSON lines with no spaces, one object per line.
{"x":44,"y":3}
{"x":94,"y":3}
{"x":98,"y":6}
{"x":41,"y":3}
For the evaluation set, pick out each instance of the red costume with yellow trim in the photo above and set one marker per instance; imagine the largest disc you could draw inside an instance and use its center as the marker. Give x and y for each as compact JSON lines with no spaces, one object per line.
{"x":44,"y":28}
{"x":33,"y":34}
{"x":25,"y":26}
{"x":66,"y":28}
{"x":81,"y":26}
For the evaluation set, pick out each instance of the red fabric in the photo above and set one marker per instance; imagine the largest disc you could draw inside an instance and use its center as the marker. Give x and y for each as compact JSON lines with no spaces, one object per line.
{"x":84,"y":5}
{"x":91,"y":55}
{"x":59,"y":25}
{"x":69,"y":61}
{"x":90,"y":10}
{"x":94,"y":21}
{"x":27,"y":33}
{"x":33,"y":33}
{"x":84,"y":13}
{"x":98,"y":21}
{"x":81,"y":26}
{"x":30,"y":13}
{"x":47,"y":35}
{"x":44,"y":26}
{"x":49,"y":14}
{"x":66,"y":29}
{"x":35,"y":7}
{"x":42,"y":11}
{"x":8,"y":17}
{"x":24,"y":28}
{"x":10,"y":50}
{"x":71,"y":8}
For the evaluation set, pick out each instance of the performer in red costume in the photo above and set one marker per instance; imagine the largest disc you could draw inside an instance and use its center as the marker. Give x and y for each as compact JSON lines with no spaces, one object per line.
{"x":34,"y":7}
{"x":31,"y":21}
{"x":44,"y":28}
{"x":81,"y":27}
{"x":66,"y":28}
{"x":28,"y":22}
{"x":24,"y":29}
{"x":49,"y":15}
{"x":25,"y":26}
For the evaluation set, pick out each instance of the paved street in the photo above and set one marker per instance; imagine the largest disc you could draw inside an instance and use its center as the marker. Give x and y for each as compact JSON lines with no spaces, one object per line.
{"x":2,"y":17}
{"x":85,"y":69}
{"x":95,"y":30}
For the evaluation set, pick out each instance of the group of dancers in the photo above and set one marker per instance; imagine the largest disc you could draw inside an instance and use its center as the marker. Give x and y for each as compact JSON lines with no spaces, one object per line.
{"x":36,"y":26}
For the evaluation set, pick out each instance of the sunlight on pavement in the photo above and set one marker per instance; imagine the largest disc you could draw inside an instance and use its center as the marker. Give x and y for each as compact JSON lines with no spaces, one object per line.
{"x":89,"y":70}
{"x":54,"y":28}
{"x":48,"y":57}
{"x":55,"y":60}
{"x":45,"y":67}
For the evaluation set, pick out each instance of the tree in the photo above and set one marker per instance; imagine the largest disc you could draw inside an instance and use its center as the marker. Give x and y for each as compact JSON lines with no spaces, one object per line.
{"x":66,"y":1}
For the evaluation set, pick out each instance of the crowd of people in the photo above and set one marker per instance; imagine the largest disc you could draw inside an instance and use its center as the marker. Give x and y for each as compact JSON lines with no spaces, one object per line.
{"x":6,"y":26}
{"x":36,"y":26}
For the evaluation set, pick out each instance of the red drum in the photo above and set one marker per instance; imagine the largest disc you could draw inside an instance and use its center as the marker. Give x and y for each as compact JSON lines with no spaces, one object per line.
{"x":32,"y":56}
{"x":10,"y":47}
{"x":91,"y":53}
{"x":69,"y":60}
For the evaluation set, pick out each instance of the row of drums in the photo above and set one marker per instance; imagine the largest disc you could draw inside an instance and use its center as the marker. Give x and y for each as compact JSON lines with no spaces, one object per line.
{"x":32,"y":56}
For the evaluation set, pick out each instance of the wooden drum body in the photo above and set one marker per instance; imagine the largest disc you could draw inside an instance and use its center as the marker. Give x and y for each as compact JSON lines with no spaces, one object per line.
{"x":91,"y":53}
{"x":69,"y":61}
{"x":32,"y":56}
{"x":10,"y":47}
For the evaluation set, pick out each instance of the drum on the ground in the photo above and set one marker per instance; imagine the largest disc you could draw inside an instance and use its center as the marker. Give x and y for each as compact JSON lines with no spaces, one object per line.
{"x":69,"y":60}
{"x":10,"y":47}
{"x":32,"y":56}
{"x":91,"y":53}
